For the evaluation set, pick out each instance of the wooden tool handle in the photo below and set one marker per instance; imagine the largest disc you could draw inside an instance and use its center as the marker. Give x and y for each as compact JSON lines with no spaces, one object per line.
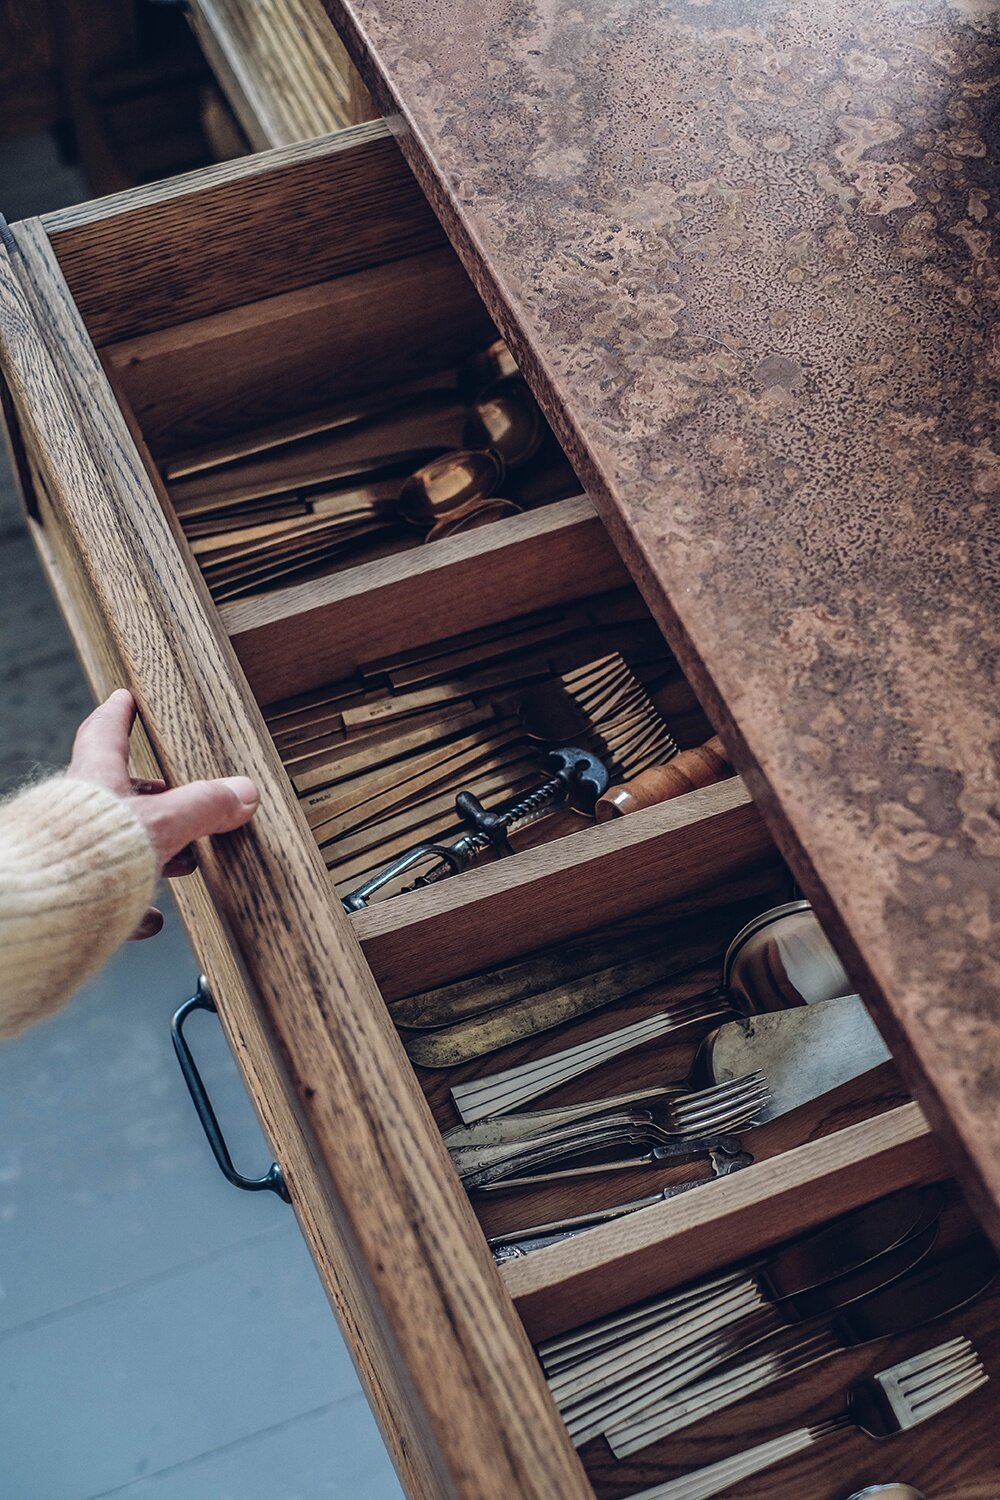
{"x":701,"y":766}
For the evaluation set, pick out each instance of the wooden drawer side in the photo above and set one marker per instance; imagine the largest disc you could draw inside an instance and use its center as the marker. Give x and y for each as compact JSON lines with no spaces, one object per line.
{"x":461,"y":1387}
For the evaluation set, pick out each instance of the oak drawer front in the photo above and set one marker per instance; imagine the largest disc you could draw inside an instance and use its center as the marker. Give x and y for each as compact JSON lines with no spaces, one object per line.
{"x":177,"y":287}
{"x":282,"y":67}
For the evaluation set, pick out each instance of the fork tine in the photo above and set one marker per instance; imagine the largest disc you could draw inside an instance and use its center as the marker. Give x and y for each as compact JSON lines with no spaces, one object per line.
{"x":948,"y":1358}
{"x":939,"y":1379}
{"x":751,"y":1091}
{"x":956,"y":1392}
{"x":731,"y":1088}
{"x":929,"y":1383}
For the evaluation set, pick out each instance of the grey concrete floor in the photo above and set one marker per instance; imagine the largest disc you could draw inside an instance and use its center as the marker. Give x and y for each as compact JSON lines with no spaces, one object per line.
{"x":162,"y":1336}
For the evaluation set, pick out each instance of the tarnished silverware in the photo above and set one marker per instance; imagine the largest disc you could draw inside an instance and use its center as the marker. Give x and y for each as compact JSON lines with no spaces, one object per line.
{"x":477,"y":1036}
{"x":677,"y":1115}
{"x":670,"y":1153}
{"x":518,"y":1243}
{"x":779,"y":959}
{"x":500,"y":1093}
{"x":667,"y":1344}
{"x":893,"y":1401}
{"x":907,"y":1302}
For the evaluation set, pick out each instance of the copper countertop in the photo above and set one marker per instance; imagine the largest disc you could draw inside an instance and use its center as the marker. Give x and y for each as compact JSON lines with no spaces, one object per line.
{"x":744,"y":253}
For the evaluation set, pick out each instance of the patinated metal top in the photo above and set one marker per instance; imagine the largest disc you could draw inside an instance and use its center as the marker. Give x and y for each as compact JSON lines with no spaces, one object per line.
{"x":744,"y":251}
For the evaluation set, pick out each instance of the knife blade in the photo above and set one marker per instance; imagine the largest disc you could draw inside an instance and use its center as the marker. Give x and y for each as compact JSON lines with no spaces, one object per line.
{"x":946,"y":1283}
{"x":847,"y":1243}
{"x":803,"y":1053}
{"x":939,"y":1287}
{"x":871,"y":1277}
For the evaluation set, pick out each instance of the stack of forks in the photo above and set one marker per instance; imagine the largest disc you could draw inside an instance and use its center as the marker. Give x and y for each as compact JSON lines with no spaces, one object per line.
{"x":895,"y":1400}
{"x":677,"y":1125}
{"x":378,"y":758}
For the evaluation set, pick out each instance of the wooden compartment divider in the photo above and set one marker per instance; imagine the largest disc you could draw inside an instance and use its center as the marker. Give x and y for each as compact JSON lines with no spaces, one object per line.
{"x":251,"y":228}
{"x":729,"y":1220}
{"x":562,"y":889}
{"x":297,"y":638}
{"x":293,"y":351}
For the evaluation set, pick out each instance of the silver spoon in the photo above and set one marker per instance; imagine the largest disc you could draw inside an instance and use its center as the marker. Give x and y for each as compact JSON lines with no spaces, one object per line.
{"x":889,"y":1492}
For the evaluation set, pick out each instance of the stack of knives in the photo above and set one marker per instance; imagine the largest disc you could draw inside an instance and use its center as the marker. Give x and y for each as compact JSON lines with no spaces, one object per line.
{"x":654,"y":1369}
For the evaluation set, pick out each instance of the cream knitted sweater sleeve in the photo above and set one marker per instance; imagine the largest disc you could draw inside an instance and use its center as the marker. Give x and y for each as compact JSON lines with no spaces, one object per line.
{"x":77,"y":872}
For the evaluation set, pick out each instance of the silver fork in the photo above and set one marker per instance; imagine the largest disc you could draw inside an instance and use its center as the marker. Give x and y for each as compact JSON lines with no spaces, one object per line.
{"x":890,"y":1402}
{"x":676,"y":1115}
{"x":499,"y":1093}
{"x":679,"y":1152}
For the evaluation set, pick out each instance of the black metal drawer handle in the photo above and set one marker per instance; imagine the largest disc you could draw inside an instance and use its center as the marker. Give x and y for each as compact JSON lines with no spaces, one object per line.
{"x":273,"y":1180}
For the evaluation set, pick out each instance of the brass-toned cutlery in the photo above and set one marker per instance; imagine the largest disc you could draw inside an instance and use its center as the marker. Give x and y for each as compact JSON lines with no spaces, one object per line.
{"x":471,"y":516}
{"x":447,"y":484}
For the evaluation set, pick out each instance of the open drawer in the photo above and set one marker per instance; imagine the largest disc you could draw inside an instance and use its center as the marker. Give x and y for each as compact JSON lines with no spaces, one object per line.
{"x":130,"y":329}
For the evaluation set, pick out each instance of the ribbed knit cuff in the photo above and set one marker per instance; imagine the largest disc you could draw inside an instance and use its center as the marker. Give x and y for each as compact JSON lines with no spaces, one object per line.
{"x":77,"y":872}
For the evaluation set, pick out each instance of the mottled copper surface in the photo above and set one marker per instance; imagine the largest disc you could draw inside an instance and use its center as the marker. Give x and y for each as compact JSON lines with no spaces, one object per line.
{"x":745,"y":252}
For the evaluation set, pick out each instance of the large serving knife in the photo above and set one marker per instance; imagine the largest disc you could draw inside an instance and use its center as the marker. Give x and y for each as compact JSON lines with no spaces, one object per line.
{"x":804,"y":1052}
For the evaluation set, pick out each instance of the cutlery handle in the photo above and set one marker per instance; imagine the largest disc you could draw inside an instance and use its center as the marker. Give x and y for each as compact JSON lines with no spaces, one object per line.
{"x":499,"y":1177}
{"x":528,"y":1155}
{"x":468,"y":1159}
{"x":538,"y":1122}
{"x":779,"y":1358}
{"x":703,"y":1483}
{"x":701,"y":766}
{"x":499,"y":1093}
{"x":509,"y":1247}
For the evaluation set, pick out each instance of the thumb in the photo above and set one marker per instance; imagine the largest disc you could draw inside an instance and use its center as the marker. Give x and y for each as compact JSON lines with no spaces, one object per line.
{"x":175,"y":818}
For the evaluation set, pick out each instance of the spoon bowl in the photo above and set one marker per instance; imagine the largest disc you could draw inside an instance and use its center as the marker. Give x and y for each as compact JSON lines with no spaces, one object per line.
{"x":508,"y":422}
{"x":469,"y":517}
{"x":888,"y":1492}
{"x":448,"y":484}
{"x":780,"y":959}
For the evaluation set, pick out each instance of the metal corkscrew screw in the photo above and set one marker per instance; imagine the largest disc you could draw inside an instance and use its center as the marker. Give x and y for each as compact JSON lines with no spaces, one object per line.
{"x":578,"y":779}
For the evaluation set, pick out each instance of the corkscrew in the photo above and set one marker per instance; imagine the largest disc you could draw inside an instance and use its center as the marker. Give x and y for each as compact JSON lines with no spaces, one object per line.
{"x":578,"y":779}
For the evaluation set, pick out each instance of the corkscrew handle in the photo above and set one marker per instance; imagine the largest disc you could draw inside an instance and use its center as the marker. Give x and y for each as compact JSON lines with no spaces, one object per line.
{"x":700,"y":766}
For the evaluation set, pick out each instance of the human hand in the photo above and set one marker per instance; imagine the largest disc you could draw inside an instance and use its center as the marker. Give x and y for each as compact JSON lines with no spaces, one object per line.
{"x":173,"y":818}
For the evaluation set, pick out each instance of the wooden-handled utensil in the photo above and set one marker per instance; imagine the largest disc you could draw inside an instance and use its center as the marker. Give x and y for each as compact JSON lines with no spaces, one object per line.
{"x":702,"y":766}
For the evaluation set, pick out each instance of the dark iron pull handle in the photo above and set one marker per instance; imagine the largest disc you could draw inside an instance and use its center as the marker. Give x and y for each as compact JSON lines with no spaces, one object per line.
{"x":273,"y":1180}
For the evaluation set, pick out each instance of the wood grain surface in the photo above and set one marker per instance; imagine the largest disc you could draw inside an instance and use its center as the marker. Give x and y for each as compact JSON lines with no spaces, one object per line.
{"x":262,"y":225}
{"x":282,"y":66}
{"x":744,"y":256}
{"x":425,"y":1299}
{"x":300,"y":637}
